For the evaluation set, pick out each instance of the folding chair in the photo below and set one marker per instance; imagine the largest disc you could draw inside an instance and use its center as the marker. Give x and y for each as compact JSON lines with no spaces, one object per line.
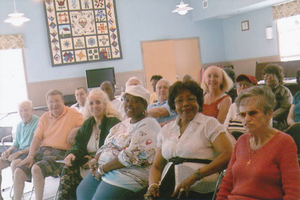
{"x":6,"y":138}
{"x":222,"y":174}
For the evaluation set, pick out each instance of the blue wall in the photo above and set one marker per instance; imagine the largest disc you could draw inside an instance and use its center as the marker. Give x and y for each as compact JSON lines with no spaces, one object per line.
{"x":139,"y":20}
{"x":252,"y":43}
{"x":143,"y":20}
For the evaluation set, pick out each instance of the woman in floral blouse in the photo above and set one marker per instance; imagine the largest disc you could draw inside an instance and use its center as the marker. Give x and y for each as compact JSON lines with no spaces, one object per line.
{"x":121,"y":166}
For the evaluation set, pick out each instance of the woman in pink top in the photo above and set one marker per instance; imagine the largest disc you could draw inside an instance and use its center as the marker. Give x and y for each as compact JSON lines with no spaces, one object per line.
{"x":215,"y":83}
{"x":264,"y":162}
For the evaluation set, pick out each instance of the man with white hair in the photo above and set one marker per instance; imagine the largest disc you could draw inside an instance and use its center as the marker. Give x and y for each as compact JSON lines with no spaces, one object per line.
{"x":161,"y":109}
{"x":24,"y":134}
{"x":50,"y":142}
{"x":133,"y":81}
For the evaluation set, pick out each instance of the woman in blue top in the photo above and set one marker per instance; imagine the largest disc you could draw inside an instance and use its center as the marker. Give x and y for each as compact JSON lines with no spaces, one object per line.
{"x":293,"y":118}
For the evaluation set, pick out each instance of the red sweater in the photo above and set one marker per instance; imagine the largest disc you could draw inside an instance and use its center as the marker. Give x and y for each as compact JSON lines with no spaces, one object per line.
{"x":272,"y":174}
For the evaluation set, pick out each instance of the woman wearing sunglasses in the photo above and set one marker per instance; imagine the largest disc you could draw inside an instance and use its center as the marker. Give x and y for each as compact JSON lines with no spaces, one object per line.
{"x":264,"y":162}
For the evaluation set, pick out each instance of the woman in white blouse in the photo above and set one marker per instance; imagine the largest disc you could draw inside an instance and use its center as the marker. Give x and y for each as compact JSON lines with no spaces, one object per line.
{"x":194,"y":146}
{"x":121,"y":165}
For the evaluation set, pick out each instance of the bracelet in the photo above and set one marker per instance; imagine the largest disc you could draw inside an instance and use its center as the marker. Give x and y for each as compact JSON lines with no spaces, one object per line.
{"x":100,"y":170}
{"x":198,"y":175}
{"x":152,"y":185}
{"x":93,"y":160}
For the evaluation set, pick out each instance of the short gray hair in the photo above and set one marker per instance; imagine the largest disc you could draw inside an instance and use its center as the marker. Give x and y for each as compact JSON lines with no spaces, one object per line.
{"x":264,"y":96}
{"x":24,"y":102}
{"x":133,"y":78}
{"x":54,"y":92}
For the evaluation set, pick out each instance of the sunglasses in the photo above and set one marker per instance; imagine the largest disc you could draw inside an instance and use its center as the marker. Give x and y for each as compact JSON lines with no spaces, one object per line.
{"x":251,"y":113}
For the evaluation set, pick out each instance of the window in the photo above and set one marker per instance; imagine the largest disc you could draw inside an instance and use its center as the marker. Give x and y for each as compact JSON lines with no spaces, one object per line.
{"x":12,"y":85}
{"x":289,"y":38}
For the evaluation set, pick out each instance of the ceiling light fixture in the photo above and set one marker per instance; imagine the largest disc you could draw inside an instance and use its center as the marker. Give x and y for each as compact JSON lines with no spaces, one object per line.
{"x":182,"y":8}
{"x":16,"y":18}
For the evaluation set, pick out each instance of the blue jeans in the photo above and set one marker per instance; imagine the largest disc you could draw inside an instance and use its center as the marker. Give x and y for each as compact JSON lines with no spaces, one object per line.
{"x":90,"y":188}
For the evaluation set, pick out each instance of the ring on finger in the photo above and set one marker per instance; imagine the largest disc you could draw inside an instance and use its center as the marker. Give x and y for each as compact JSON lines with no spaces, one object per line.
{"x":182,"y":190}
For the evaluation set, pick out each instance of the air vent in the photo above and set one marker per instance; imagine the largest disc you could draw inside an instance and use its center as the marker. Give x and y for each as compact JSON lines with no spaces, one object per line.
{"x":205,"y":4}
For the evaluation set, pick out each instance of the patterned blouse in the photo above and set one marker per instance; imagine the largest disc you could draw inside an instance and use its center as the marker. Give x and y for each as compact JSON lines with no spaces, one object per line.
{"x":134,"y":145}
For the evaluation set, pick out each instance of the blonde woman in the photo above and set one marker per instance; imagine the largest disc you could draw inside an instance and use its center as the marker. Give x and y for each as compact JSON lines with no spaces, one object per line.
{"x":101,"y":116}
{"x":215,"y":83}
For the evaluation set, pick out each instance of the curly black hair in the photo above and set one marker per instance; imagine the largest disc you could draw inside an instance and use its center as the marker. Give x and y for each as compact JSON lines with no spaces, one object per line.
{"x":178,"y":87}
{"x":274,"y":69}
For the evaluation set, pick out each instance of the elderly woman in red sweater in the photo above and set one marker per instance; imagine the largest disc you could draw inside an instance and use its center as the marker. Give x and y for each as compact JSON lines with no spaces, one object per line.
{"x":264,"y":162}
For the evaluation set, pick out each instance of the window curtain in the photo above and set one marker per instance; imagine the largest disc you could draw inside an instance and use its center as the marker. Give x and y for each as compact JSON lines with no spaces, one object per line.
{"x":286,"y":10}
{"x":11,"y":42}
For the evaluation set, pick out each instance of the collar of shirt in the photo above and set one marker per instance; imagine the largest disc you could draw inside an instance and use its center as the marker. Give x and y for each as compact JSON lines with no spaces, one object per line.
{"x":30,"y":122}
{"x":198,"y":119}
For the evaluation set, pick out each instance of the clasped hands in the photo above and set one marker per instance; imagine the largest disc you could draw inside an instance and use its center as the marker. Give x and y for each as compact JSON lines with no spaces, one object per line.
{"x":181,"y":189}
{"x":94,"y":169}
{"x":7,"y":156}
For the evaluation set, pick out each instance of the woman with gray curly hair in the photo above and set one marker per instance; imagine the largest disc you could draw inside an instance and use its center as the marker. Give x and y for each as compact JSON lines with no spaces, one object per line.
{"x":264,"y":162}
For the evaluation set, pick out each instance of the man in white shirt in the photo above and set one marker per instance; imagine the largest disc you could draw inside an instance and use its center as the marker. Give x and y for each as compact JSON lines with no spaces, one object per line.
{"x":80,"y":95}
{"x":109,"y":88}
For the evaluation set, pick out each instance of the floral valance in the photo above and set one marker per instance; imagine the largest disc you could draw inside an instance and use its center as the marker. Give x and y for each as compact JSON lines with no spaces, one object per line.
{"x":286,"y":9}
{"x":11,"y":42}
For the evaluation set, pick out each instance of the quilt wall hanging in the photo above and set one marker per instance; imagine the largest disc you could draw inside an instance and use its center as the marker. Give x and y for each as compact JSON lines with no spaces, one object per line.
{"x":82,"y":31}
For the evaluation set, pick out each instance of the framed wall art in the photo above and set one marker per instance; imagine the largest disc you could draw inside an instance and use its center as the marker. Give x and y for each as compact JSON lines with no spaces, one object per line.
{"x":245,"y":25}
{"x":82,"y":31}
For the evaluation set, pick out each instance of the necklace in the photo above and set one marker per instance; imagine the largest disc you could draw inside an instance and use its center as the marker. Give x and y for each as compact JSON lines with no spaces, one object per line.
{"x":252,"y":152}
{"x":97,"y":135}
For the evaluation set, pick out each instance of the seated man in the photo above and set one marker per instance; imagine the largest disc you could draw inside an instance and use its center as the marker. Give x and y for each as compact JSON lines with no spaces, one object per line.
{"x":133,"y":81}
{"x":50,"y":142}
{"x":24,"y":134}
{"x":154,"y":79}
{"x":161,"y":109}
{"x":233,"y":122}
{"x":80,"y":95}
{"x":109,"y":88}
{"x":273,"y":76}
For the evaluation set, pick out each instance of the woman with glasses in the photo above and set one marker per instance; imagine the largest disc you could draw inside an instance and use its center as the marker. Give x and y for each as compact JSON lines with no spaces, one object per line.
{"x":233,"y":122}
{"x":121,"y":166}
{"x":215,"y":83}
{"x":264,"y":162}
{"x":273,"y":76}
{"x":191,"y":150}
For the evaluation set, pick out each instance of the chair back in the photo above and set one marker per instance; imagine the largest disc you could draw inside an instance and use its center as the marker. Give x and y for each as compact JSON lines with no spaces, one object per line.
{"x":6,"y":131}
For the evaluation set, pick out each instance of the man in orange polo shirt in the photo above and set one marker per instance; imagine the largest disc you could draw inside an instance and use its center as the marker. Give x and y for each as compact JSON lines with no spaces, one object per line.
{"x":49,"y":144}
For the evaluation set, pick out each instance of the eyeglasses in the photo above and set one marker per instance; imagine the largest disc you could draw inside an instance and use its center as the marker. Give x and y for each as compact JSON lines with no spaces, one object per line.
{"x":251,"y":113}
{"x":269,"y":76}
{"x":189,"y":100}
{"x":245,"y":85}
